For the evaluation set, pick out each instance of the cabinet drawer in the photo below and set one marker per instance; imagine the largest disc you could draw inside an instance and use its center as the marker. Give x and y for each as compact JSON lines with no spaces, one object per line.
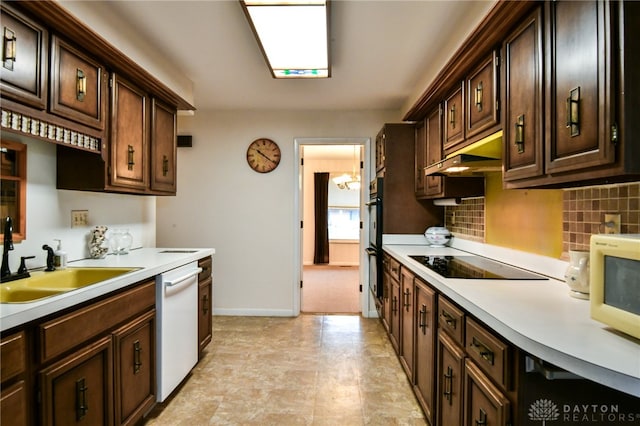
{"x":207,"y":268}
{"x":451,"y":320}
{"x":13,"y":354}
{"x":13,"y":404}
{"x":66,"y":332}
{"x":489,"y":352}
{"x":392,"y":266}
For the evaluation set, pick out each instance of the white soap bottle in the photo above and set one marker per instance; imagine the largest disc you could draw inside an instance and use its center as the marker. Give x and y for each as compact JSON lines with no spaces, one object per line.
{"x":59,"y":256}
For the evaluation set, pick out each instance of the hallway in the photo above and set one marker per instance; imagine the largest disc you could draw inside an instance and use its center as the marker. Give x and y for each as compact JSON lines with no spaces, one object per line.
{"x":309,"y":370}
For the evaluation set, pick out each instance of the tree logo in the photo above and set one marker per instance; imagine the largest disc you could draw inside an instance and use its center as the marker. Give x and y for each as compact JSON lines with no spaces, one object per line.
{"x":543,"y":409}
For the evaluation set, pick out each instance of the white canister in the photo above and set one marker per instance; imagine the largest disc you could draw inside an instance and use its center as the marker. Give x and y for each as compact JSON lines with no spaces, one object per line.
{"x":577,"y":274}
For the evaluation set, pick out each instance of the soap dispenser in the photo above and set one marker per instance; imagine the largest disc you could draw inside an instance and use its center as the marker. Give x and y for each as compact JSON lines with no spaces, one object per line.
{"x":59,"y":256}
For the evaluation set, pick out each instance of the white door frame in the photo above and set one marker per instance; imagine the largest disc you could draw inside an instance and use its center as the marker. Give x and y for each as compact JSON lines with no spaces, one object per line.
{"x":367,"y":304}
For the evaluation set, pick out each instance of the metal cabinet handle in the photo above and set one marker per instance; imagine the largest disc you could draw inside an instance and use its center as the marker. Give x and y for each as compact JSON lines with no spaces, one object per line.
{"x":483,"y":418}
{"x":81,"y":399}
{"x":394,"y":304}
{"x":519,"y":133}
{"x":165,"y":165}
{"x":479,"y":97}
{"x":484,"y":352}
{"x":9,"y":48}
{"x":448,"y":385}
{"x":137,"y":362}
{"x":573,"y":112}
{"x":407,"y":298}
{"x":205,"y":304}
{"x":81,"y":85}
{"x":422,"y":321}
{"x":130,"y":153}
{"x":448,"y":319}
{"x":452,"y":116}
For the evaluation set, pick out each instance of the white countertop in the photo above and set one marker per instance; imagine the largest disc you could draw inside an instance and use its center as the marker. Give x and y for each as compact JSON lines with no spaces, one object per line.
{"x":151,"y":261}
{"x":537,"y":316}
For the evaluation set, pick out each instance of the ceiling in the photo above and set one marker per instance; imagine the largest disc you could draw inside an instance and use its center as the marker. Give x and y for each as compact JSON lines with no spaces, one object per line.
{"x":383,"y":53}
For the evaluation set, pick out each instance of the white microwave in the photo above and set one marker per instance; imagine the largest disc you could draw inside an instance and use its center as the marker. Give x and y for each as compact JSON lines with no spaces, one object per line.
{"x":615,"y":281}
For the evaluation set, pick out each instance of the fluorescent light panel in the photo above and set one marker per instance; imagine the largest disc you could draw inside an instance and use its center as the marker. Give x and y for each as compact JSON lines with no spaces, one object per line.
{"x":293,"y":36}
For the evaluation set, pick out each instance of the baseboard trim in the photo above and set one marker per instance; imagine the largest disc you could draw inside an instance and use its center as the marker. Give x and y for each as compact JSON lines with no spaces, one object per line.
{"x":254,"y":312}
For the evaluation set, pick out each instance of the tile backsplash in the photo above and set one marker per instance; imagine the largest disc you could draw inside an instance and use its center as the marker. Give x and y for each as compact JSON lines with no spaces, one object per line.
{"x":583,"y":214}
{"x":584,"y":210}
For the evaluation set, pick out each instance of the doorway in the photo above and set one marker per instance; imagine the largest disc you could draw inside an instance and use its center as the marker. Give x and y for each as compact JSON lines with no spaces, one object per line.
{"x":332,"y":284}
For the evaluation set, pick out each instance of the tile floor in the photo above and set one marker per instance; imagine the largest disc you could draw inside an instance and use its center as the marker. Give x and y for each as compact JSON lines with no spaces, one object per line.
{"x":310,"y":370}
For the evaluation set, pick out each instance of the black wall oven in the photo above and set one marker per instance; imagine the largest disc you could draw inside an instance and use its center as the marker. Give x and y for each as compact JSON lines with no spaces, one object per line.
{"x":374,"y":249}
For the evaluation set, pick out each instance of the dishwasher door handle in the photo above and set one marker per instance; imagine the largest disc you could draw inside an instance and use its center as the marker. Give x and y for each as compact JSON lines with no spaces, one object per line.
{"x":177,"y":281}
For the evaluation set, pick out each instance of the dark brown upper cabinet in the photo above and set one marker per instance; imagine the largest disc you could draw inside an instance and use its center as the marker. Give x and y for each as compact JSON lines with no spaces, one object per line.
{"x":523,"y":129}
{"x":454,"y":119}
{"x":163,"y":147}
{"x":78,"y":85}
{"x":23,"y":80}
{"x":482,"y":97}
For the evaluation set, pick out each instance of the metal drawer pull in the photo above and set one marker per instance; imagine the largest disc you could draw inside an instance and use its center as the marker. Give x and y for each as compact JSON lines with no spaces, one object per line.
{"x":423,"y":319}
{"x":449,"y":319}
{"x":205,"y":304}
{"x":573,"y":112}
{"x":137,"y":363}
{"x":483,"y":418}
{"x":81,"y":399}
{"x":448,"y":385}
{"x":483,"y":350}
{"x":519,"y":142}
{"x":81,"y":85}
{"x":479,"y":97}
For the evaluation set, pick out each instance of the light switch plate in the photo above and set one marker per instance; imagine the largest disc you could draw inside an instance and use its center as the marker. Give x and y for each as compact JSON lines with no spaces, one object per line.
{"x":79,"y":218}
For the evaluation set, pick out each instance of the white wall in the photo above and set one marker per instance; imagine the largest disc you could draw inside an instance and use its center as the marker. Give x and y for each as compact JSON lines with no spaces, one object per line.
{"x":248,"y":217}
{"x":49,"y":210}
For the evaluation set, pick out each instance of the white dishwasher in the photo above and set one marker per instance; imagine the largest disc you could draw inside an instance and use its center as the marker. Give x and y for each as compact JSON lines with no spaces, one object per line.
{"x":176,"y":326}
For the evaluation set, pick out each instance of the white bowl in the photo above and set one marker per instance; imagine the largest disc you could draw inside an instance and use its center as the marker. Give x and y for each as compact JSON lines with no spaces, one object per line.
{"x":437,"y":236}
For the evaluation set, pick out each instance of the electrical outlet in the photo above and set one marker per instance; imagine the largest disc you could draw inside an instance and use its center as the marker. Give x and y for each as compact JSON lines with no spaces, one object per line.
{"x":611,"y":223}
{"x":79,"y":218}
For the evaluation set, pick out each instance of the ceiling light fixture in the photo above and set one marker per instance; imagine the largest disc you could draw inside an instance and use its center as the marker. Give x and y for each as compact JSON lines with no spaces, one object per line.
{"x":349,"y":181}
{"x":293,"y":36}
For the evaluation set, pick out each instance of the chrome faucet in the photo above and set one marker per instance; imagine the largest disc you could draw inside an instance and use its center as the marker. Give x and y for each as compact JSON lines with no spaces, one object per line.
{"x":8,"y":245}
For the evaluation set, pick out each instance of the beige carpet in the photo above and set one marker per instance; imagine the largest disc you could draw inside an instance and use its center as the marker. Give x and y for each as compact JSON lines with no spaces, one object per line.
{"x":331,"y":289}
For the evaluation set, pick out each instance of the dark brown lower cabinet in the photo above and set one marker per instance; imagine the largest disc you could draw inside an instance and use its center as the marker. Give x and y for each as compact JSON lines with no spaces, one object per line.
{"x":450,"y":372}
{"x":205,"y":295}
{"x":407,"y":308}
{"x":135,"y":369}
{"x":13,"y":405}
{"x":79,"y":388}
{"x":485,"y":404}
{"x":425,"y":339}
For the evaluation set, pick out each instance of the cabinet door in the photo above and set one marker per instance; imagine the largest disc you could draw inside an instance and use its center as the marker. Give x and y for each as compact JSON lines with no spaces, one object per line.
{"x":135,"y":369}
{"x":523,"y":114}
{"x":579,"y":85}
{"x":484,"y":403}
{"x":13,"y":404}
{"x":394,"y":320}
{"x":421,"y":158}
{"x":449,"y":396}
{"x":425,"y":334}
{"x":163,"y":148}
{"x":406,"y":334}
{"x":78,"y":85}
{"x":79,"y":388}
{"x":204,"y":313}
{"x":433,"y":184}
{"x":380,"y":152}
{"x":482,"y":96}
{"x":23,"y":80}
{"x":454,"y":120}
{"x":386,"y":301}
{"x":129,"y":162}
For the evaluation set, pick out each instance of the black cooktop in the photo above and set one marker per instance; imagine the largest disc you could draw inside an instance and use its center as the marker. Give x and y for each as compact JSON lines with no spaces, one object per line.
{"x":474,"y":267}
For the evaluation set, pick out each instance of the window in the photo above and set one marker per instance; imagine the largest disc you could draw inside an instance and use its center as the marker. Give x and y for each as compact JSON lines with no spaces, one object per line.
{"x":344,"y":212}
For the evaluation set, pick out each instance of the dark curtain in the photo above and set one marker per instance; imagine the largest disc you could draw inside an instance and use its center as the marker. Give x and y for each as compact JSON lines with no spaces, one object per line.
{"x":321,"y":209}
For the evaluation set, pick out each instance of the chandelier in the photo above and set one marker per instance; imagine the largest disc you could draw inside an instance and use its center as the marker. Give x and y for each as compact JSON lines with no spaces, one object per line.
{"x":349,"y":181}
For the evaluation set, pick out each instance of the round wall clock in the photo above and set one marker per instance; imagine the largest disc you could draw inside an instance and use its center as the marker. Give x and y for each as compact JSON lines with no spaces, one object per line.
{"x":263,"y":155}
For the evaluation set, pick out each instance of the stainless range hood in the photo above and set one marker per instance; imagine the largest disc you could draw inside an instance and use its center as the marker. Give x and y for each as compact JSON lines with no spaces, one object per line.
{"x":474,"y":160}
